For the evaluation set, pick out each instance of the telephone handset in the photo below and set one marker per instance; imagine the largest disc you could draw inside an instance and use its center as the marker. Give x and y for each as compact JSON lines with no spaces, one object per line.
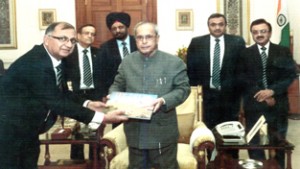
{"x":231,"y":131}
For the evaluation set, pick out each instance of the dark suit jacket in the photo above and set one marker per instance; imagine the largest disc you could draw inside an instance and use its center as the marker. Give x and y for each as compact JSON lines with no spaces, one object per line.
{"x":28,"y":92}
{"x":198,"y":69}
{"x":280,"y":73}
{"x":110,"y":59}
{"x":73,"y":72}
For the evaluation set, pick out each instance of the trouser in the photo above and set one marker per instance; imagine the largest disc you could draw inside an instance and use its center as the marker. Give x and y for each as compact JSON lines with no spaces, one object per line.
{"x":218,"y":109}
{"x":163,"y":158}
{"x":77,"y":150}
{"x":19,"y":154}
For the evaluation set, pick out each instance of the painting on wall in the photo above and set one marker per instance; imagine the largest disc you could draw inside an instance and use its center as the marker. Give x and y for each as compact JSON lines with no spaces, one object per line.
{"x":184,"y":19}
{"x":46,"y":17}
{"x":8,"y":36}
{"x":237,"y":13}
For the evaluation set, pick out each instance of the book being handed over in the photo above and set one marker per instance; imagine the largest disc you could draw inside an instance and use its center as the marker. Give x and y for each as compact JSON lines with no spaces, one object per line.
{"x":135,"y":105}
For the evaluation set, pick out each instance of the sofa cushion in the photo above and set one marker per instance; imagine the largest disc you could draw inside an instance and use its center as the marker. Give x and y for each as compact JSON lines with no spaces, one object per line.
{"x":185,"y":126}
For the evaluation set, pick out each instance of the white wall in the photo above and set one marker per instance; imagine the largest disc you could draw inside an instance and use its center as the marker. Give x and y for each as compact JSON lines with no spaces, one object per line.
{"x":27,"y":19}
{"x":28,"y":33}
{"x":170,"y":38}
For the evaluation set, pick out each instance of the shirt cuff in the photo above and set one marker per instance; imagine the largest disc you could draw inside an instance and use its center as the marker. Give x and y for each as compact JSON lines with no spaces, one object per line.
{"x":96,"y":121}
{"x":85,"y":103}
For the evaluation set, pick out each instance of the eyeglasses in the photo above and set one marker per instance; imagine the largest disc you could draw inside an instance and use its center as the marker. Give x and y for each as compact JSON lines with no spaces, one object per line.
{"x":256,"y":32}
{"x":64,"y":39}
{"x":147,"y":37}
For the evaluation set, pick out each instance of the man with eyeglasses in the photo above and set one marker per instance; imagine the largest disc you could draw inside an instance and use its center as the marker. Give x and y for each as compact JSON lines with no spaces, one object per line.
{"x":153,"y":143}
{"x":211,"y":63}
{"x":76,"y":74}
{"x":265,"y":71}
{"x":34,"y":91}
{"x":112,"y":51}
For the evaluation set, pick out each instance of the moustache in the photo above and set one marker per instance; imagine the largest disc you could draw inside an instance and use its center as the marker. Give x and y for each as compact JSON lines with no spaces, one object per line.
{"x":260,"y":37}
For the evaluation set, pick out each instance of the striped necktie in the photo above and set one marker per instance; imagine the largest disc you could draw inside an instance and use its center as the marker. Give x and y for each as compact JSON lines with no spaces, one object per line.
{"x":264,"y":58}
{"x":87,"y":75}
{"x":216,"y":65}
{"x":125,"y":49}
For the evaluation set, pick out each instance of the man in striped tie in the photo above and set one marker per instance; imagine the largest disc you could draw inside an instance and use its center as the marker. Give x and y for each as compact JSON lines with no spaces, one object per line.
{"x":80,"y":73}
{"x":266,"y":70}
{"x":30,"y":95}
{"x":113,"y":51}
{"x":211,"y":62}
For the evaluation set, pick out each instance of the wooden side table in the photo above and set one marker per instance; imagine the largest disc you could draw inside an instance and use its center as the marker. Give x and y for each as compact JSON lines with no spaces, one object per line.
{"x":223,"y":162}
{"x":72,"y":164}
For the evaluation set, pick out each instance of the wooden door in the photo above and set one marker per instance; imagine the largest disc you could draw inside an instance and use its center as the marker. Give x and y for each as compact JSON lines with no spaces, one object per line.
{"x":95,"y":12}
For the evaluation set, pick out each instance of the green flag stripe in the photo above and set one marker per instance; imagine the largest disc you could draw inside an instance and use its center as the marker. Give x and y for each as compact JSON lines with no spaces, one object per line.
{"x":285,"y":36}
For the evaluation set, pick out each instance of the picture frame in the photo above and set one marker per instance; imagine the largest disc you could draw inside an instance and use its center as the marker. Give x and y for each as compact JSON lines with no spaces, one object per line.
{"x":46,"y":17}
{"x":184,"y":19}
{"x":237,"y":13}
{"x":8,"y":33}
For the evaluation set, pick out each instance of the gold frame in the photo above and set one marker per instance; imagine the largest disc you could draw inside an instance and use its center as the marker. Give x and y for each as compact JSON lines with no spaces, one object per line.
{"x":184,"y":19}
{"x":46,"y":17}
{"x":8,"y":33}
{"x":243,"y":12}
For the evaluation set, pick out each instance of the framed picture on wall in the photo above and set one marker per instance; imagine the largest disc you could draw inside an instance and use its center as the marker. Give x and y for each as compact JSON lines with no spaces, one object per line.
{"x":46,"y":17}
{"x":8,"y":35}
{"x":184,"y":19}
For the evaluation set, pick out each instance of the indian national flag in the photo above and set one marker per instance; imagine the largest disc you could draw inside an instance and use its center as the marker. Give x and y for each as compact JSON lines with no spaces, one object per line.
{"x":283,"y":23}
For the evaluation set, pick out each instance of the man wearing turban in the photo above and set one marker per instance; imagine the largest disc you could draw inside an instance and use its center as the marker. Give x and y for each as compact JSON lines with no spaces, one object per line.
{"x":112,"y":51}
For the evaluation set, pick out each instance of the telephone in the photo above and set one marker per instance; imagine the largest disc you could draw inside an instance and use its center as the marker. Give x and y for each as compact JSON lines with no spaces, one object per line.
{"x":231,"y":131}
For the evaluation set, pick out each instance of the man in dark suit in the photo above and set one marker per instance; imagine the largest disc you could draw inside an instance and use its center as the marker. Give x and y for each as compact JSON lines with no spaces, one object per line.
{"x":265,"y":86}
{"x":75,"y":65}
{"x":220,"y":102}
{"x":75,"y":74}
{"x":33,"y":92}
{"x":112,"y":51}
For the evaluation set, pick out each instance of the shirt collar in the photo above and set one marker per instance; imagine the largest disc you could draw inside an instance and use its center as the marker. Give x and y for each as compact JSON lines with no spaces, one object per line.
{"x":221,"y":38}
{"x":54,"y":61}
{"x":267,"y":46}
{"x":80,"y":48}
{"x":126,"y":40}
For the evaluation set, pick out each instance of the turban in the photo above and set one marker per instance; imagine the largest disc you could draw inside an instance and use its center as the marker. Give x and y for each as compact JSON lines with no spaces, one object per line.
{"x":113,"y":17}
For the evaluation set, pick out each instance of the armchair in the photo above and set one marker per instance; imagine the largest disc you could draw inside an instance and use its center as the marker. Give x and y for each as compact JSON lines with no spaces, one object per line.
{"x":195,"y":138}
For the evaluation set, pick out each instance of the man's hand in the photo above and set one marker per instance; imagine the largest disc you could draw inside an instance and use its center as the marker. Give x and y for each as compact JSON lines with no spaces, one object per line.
{"x":271,"y":101}
{"x":262,"y":95}
{"x":157,"y":104}
{"x":115,"y":116}
{"x":96,"y":106}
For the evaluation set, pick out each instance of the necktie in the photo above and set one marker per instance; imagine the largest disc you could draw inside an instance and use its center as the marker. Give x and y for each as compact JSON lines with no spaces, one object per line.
{"x":216,"y":65}
{"x":87,"y":75}
{"x":264,"y":58}
{"x":59,"y":76}
{"x":125,"y":50}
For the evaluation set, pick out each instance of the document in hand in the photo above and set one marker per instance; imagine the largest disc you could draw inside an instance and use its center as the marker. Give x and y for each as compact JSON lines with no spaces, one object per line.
{"x":136,"y":105}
